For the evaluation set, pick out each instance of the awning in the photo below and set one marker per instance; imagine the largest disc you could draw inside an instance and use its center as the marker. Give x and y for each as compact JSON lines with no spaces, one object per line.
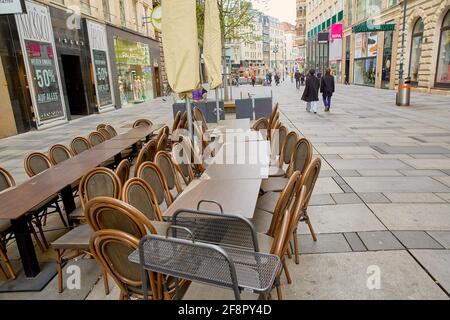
{"x":212,"y":44}
{"x":369,"y":27}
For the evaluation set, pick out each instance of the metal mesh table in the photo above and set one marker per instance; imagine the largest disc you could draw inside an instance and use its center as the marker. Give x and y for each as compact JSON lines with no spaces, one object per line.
{"x":232,"y":268}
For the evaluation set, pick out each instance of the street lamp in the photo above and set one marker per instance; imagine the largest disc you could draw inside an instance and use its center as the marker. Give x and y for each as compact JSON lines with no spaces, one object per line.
{"x":275,"y":51}
{"x":402,"y":54}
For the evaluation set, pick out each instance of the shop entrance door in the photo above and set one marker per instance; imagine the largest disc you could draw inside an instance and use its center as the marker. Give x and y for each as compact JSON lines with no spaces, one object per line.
{"x":74,"y":85}
{"x":347,"y":72}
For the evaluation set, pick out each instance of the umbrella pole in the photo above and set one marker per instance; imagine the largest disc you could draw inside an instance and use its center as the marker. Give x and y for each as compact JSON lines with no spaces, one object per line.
{"x":189,"y":119}
{"x":217,"y":105}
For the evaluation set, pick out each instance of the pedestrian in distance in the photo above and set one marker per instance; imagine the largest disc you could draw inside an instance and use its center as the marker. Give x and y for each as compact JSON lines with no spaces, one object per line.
{"x":311,"y":93}
{"x":253,"y":80}
{"x":302,"y":79}
{"x":327,"y":89}
{"x":277,"y":79}
{"x":297,"y":79}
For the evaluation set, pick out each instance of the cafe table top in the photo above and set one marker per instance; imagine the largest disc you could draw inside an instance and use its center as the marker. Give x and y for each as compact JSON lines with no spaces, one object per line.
{"x":18,"y":201}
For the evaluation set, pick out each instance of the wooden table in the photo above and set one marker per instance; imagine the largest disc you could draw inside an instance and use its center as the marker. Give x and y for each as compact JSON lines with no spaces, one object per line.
{"x":17,"y":202}
{"x":235,"y":196}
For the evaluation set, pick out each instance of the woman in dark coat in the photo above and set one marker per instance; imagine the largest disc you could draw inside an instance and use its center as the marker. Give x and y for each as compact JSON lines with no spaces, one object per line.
{"x":327,"y":89}
{"x":311,"y":93}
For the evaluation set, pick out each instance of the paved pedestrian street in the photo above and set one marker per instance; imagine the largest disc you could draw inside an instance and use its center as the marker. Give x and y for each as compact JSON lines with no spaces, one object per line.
{"x":381,"y":206}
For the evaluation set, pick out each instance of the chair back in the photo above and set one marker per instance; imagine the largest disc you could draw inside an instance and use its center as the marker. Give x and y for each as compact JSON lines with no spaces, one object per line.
{"x":176,"y":121}
{"x":164,"y":161}
{"x":150,"y":173}
{"x":162,"y":142}
{"x":123,"y":171}
{"x":282,"y":235}
{"x":147,"y":153}
{"x":95,"y":138}
{"x":297,"y":209}
{"x":142,"y":122}
{"x":36,"y":163}
{"x":284,"y":202}
{"x":99,"y":182}
{"x":59,"y":153}
{"x":111,"y":249}
{"x":111,"y":130}
{"x":200,"y":117}
{"x":301,"y":157}
{"x":105,"y":133}
{"x":79,"y":145}
{"x":288,"y":148}
{"x":261,"y":124}
{"x":183,"y":121}
{"x":278,"y":139}
{"x":6,"y":180}
{"x":309,"y":179}
{"x":182,"y":163}
{"x":140,"y":195}
{"x":101,"y":126}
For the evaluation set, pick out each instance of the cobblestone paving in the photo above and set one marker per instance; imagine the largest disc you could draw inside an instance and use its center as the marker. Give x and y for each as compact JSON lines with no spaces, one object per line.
{"x":381,"y":205}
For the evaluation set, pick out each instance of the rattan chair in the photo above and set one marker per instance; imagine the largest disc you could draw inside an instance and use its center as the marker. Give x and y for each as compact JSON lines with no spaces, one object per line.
{"x":150,"y":173}
{"x":140,"y":195}
{"x":170,"y":173}
{"x":95,"y":138}
{"x":183,"y":121}
{"x":142,"y":122}
{"x":200,"y":118}
{"x":278,"y":138}
{"x":79,"y":145}
{"x":300,"y":159}
{"x":59,"y":153}
{"x":99,"y":182}
{"x":176,"y":121}
{"x":101,"y":126}
{"x":147,"y":153}
{"x":163,"y":142}
{"x":287,"y":148}
{"x":111,"y":130}
{"x":104,"y":133}
{"x":182,"y":163}
{"x":123,"y":171}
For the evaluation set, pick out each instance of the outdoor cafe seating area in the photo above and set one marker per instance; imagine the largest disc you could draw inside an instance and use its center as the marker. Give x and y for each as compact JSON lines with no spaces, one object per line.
{"x":167,"y":212}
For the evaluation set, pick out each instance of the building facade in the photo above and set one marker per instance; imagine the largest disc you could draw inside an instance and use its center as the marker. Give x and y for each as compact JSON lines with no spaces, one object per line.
{"x":372,"y":52}
{"x":300,"y":41}
{"x":88,"y":57}
{"x":292,"y":57}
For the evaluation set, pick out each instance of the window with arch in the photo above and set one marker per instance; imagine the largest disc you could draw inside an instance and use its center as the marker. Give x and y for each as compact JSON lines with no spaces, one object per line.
{"x":416,"y":51}
{"x":443,"y":63}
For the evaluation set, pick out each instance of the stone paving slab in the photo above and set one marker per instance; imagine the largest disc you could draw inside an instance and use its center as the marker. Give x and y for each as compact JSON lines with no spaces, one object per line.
{"x":355,"y":241}
{"x":321,"y":200}
{"x":444,"y":196}
{"x":342,"y":218}
{"x":438,"y":164}
{"x":373,"y":197}
{"x":433,"y":217}
{"x":368,"y":164}
{"x":414,"y":198}
{"x":380,"y":240}
{"x":345,"y":276}
{"x":414,"y":149}
{"x":326,"y":243}
{"x":326,"y":185}
{"x":443,"y":237}
{"x":437,"y":263}
{"x":417,"y":240}
{"x":395,"y":184}
{"x":346,"y":198}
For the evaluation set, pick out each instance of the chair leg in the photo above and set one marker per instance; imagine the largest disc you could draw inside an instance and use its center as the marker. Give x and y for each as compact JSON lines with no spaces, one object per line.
{"x":289,"y":251}
{"x":3,"y":272}
{"x":311,"y":229}
{"x":123,"y":296}
{"x":60,"y":271}
{"x":8,"y":265}
{"x":61,"y":216}
{"x":105,"y":281}
{"x":296,"y":247}
{"x":43,"y":244}
{"x":286,"y":271}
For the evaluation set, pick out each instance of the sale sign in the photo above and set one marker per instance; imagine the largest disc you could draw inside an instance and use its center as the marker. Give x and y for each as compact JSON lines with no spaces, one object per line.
{"x":336,"y":31}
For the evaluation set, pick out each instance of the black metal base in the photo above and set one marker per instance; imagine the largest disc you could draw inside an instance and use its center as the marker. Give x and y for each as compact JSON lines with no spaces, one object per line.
{"x":24,"y":284}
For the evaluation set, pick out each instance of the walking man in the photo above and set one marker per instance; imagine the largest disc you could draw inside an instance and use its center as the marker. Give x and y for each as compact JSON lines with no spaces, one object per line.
{"x":297,"y":79}
{"x":311,"y":93}
{"x":327,"y":89}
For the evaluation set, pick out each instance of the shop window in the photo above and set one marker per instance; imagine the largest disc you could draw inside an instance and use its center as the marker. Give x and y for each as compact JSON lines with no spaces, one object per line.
{"x":387,"y":60}
{"x":443,"y":64}
{"x":416,"y":51}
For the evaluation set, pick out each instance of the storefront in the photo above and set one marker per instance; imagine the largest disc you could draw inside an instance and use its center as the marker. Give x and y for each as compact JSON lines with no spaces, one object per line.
{"x":134,"y":66}
{"x":336,"y":59}
{"x":365,"y":58}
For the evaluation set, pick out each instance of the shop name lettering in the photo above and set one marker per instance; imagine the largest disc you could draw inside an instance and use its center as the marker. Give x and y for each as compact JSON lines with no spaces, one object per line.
{"x":97,"y":38}
{"x":35,"y":26}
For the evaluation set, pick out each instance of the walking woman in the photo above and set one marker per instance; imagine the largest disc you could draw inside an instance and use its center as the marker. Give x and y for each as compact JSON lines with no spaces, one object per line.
{"x":311,"y":93}
{"x":327,"y":89}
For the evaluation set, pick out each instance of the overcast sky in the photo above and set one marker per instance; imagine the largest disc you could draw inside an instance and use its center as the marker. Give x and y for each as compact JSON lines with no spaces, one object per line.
{"x":281,"y":9}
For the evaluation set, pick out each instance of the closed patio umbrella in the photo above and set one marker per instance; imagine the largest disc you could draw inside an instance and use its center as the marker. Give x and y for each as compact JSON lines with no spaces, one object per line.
{"x":212,"y":48}
{"x":181,"y":52}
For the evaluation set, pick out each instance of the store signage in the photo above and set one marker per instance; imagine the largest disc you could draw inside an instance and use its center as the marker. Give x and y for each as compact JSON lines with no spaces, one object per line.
{"x":100,"y":65}
{"x":12,"y":6}
{"x":369,"y":27}
{"x":323,"y":37}
{"x":336,"y":31}
{"x":41,"y":63}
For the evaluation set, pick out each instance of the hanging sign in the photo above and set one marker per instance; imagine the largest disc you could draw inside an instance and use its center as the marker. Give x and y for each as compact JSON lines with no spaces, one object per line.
{"x":41,"y":63}
{"x":12,"y":6}
{"x":100,"y":65}
{"x":336,"y":31}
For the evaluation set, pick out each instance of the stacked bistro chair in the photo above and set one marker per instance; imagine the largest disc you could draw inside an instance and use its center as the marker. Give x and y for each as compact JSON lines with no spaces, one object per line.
{"x":101,"y":126}
{"x":182,"y":163}
{"x":105,"y":133}
{"x":118,"y":228}
{"x":183,"y":121}
{"x":170,"y":173}
{"x":112,"y":132}
{"x":277,"y":142}
{"x":99,"y":182}
{"x":79,"y":145}
{"x":142,"y":122}
{"x":147,"y":153}
{"x":95,"y":138}
{"x":34,"y":164}
{"x":199,"y":117}
{"x":153,"y":176}
{"x":300,"y":159}
{"x":59,"y":153}
{"x":286,"y":144}
{"x":176,"y":121}
{"x":140,"y":195}
{"x":123,"y":171}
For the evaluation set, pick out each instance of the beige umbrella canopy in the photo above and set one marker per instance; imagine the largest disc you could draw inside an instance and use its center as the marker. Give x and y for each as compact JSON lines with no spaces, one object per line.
{"x":180,"y":45}
{"x":212,"y":44}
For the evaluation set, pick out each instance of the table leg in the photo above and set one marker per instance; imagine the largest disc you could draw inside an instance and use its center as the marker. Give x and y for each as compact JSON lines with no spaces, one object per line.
{"x":134,"y":148}
{"x":118,"y":158}
{"x":26,"y":247}
{"x":69,"y":202}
